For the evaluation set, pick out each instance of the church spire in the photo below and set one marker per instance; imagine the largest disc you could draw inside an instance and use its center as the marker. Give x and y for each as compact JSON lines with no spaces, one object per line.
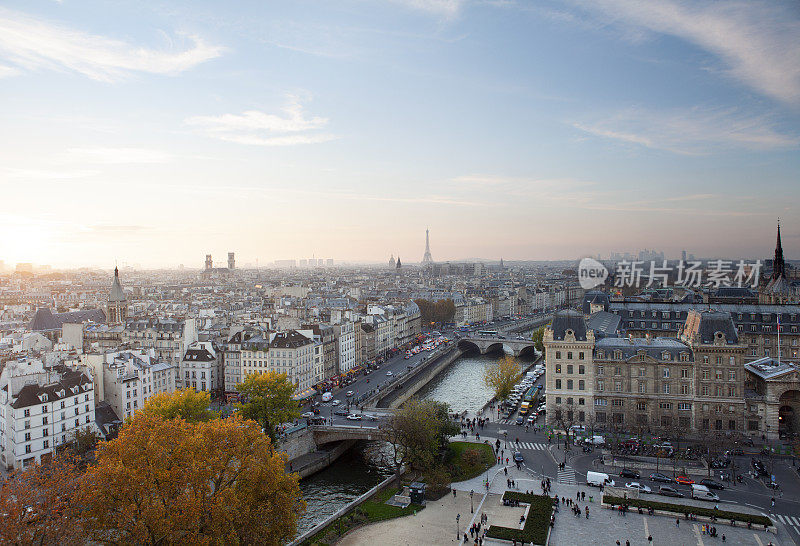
{"x":778,"y":265}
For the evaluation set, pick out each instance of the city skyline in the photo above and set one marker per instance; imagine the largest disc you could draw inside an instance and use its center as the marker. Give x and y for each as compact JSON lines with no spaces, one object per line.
{"x":343,"y":130}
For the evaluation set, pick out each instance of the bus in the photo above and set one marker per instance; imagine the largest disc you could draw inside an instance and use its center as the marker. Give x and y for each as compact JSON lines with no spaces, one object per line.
{"x":524,"y":408}
{"x":532,"y":394}
{"x":492,"y":333}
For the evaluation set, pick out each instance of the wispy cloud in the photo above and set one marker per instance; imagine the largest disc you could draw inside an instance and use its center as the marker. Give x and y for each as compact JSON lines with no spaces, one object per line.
{"x":45,"y":174}
{"x":755,"y":40}
{"x":262,"y":129}
{"x":7,"y":71}
{"x":444,"y":8}
{"x":694,"y":131}
{"x":32,"y":44}
{"x":114,"y":156}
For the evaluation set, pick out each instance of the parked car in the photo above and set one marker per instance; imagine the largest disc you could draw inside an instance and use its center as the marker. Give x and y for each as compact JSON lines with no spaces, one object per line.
{"x":520,"y":420}
{"x":308,"y":414}
{"x":658,"y":477}
{"x":711,"y":484}
{"x":668,"y":491}
{"x":336,"y":403}
{"x":518,"y":458}
{"x":354,"y":417}
{"x":640,"y":487}
{"x":628,"y":473}
{"x":389,"y":374}
{"x":684,"y":480}
{"x":341,"y":412}
{"x":349,"y":394}
{"x":759,"y":467}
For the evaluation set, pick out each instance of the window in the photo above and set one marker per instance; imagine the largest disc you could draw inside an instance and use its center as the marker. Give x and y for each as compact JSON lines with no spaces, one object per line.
{"x":27,"y":413}
{"x":718,"y":424}
{"x":569,"y":384}
{"x":600,"y":402}
{"x":684,"y":406}
{"x":27,"y":436}
{"x":684,"y":373}
{"x":684,"y":388}
{"x":718,"y":374}
{"x":618,"y":385}
{"x":600,"y":416}
{"x":581,"y":401}
{"x":558,"y":399}
{"x":731,"y":375}
{"x":665,"y":373}
{"x":581,"y":369}
{"x":580,"y":355}
{"x":600,"y":370}
{"x":581,"y":385}
{"x":569,"y":400}
{"x":44,"y":420}
{"x":642,"y":372}
{"x":704,"y":390}
{"x":558,"y":355}
{"x":731,"y":391}
{"x":642,"y":387}
{"x":706,"y":375}
{"x":558,"y":383}
{"x":601,"y":386}
{"x":641,"y":406}
{"x":665,"y":388}
{"x":569,"y":355}
{"x":666,"y":420}
{"x":28,"y":448}
{"x":617,"y":370}
{"x":665,"y":405}
{"x":731,"y":425}
{"x":558,"y":368}
{"x":618,"y":403}
{"x":705,"y":359}
{"x":569,"y":368}
{"x":752,"y":425}
{"x":705,"y":424}
{"x":44,"y":409}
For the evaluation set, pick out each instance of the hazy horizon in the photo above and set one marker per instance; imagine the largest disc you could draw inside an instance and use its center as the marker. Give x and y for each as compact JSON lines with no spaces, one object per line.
{"x":155,"y":134}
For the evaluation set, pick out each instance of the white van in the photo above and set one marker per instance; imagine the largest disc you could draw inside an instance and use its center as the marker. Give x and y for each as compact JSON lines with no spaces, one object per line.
{"x":596,"y":440}
{"x":598,"y":478}
{"x":701,"y":492}
{"x":327,"y":397}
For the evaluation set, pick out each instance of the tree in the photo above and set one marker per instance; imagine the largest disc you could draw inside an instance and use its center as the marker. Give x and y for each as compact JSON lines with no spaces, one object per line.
{"x":187,"y":404}
{"x":438,"y":311}
{"x":177,"y":482}
{"x":84,"y":440}
{"x":502,"y":376}
{"x":538,"y":340}
{"x":417,"y":433}
{"x":268,"y":400}
{"x":36,"y":504}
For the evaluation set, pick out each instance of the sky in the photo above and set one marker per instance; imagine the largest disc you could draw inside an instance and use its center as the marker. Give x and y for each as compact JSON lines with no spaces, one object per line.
{"x":152,"y":133}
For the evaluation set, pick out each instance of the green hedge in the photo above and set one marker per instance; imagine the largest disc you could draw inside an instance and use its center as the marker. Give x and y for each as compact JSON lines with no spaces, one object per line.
{"x":686,"y":509}
{"x":536,"y":525}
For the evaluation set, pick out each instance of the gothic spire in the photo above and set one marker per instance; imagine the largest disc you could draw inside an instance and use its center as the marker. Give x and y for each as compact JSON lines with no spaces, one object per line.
{"x":778,"y":265}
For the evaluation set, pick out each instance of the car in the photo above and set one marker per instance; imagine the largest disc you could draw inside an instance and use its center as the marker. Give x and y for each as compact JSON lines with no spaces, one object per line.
{"x":720,"y":463}
{"x":684,"y":480}
{"x":518,"y":458}
{"x":336,"y":403}
{"x":628,"y":473}
{"x":658,"y":477}
{"x":668,"y":491}
{"x":369,"y":417}
{"x":389,"y":374}
{"x":520,"y":420}
{"x":308,"y":414}
{"x":354,"y":417}
{"x":640,"y":487}
{"x":711,"y":484}
{"x":349,"y":394}
{"x":341,"y":412}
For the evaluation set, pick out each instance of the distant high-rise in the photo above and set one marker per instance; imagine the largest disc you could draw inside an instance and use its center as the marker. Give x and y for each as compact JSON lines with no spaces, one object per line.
{"x":231,"y":260}
{"x":683,"y":255}
{"x":427,"y":259}
{"x":391,"y":261}
{"x":209,"y":262}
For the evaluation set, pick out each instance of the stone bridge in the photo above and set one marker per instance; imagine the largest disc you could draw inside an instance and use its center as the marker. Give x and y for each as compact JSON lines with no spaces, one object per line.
{"x":325,"y":434}
{"x":487,"y":344}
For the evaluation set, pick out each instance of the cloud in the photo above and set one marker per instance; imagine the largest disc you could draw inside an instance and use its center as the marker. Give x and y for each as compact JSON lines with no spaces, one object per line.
{"x":257,"y":128}
{"x":115,"y":156}
{"x":444,"y":8}
{"x":43,"y":174}
{"x":756,"y":40}
{"x":7,"y":71}
{"x":694,"y":131}
{"x":28,"y":43}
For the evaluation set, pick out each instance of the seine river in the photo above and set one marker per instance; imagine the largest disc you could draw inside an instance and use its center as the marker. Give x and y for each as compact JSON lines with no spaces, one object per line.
{"x":460,"y":385}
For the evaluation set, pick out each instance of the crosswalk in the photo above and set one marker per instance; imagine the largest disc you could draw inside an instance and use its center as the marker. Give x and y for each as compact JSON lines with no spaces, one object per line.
{"x":794,"y":521}
{"x":529,"y":445}
{"x":566,"y":475}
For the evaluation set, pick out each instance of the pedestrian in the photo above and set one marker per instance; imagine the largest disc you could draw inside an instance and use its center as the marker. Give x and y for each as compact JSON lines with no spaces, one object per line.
{"x":505,"y":469}
{"x":471,"y":531}
{"x":650,"y":539}
{"x":627,"y":543}
{"x":454,"y":493}
{"x":723,"y":537}
{"x":508,"y":483}
{"x":677,"y":522}
{"x":465,"y":537}
{"x":773,"y":502}
{"x":506,"y":460}
{"x":583,"y":495}
{"x":587,"y":512}
{"x":578,"y":495}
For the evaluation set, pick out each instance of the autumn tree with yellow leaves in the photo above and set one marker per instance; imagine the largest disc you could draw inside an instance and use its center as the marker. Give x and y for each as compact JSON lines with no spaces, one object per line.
{"x":170,"y":481}
{"x":502,"y":376}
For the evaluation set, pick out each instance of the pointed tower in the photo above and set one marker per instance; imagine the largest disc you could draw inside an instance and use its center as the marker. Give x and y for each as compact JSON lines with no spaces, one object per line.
{"x":391,"y":262}
{"x":778,"y":265}
{"x":117,"y":309}
{"x":398,"y":263}
{"x":426,"y":258}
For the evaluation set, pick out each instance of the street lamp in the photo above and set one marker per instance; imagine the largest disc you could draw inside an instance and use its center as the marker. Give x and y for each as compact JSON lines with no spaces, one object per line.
{"x":458,"y":529}
{"x":471,"y":509}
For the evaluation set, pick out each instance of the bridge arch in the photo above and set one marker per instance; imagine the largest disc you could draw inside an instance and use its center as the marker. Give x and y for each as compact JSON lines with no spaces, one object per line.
{"x":529,"y":350}
{"x":494,"y":348}
{"x":468,"y":346}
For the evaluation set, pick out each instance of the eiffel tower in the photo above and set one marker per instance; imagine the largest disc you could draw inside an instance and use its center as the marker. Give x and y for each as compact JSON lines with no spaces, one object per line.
{"x":426,"y":259}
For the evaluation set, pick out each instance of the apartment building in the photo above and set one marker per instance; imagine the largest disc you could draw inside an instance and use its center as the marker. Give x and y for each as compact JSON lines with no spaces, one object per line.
{"x":40,"y":409}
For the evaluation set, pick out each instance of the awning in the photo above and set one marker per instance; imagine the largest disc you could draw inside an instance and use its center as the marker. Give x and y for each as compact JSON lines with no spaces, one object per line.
{"x":308,"y":393}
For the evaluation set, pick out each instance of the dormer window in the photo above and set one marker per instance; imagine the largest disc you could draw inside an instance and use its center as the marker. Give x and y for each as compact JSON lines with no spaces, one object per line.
{"x":43,"y":397}
{"x":665,"y":355}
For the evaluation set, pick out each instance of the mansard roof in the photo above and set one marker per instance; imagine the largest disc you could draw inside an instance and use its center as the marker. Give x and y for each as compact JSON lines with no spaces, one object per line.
{"x":568,"y":320}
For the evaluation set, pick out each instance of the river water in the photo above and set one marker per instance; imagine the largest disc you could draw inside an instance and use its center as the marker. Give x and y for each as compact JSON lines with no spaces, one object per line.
{"x":354,"y":473}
